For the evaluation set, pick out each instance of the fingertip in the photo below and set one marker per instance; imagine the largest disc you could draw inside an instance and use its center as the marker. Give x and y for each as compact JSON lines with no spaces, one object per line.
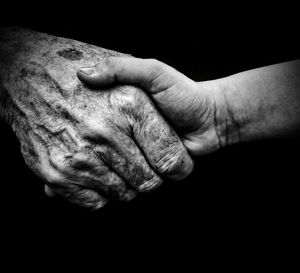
{"x":95,"y":76}
{"x":150,"y":184}
{"x":91,"y":199}
{"x":83,"y":75}
{"x":49,"y":192}
{"x":187,"y":165}
{"x":98,"y":205}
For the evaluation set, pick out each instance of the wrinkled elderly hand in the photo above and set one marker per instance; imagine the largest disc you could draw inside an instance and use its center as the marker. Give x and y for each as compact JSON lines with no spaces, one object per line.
{"x":87,"y":146}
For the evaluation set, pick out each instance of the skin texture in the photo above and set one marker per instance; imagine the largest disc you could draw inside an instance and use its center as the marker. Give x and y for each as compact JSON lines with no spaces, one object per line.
{"x":189,"y":109}
{"x":255,"y":104}
{"x":87,"y":146}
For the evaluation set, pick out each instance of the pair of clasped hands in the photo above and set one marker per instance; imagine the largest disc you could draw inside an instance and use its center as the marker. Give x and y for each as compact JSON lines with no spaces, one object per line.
{"x":97,"y":125}
{"x":201,"y":117}
{"x":176,"y":123}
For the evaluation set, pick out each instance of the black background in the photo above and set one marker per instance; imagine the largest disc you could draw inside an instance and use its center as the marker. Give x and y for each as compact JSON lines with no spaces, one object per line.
{"x":241,"y":202}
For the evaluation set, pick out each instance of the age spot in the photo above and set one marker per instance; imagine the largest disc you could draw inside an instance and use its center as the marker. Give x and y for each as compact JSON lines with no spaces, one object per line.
{"x":70,"y":54}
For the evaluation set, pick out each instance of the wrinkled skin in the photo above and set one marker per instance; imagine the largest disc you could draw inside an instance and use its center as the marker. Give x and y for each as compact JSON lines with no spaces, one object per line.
{"x":87,"y":146}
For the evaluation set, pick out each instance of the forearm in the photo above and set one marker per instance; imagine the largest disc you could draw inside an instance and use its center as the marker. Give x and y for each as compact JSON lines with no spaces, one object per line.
{"x":257,"y":104}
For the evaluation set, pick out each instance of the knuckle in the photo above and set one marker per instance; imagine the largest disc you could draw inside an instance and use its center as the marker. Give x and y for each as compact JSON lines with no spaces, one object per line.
{"x":83,"y":160}
{"x":130,"y":102}
{"x":156,"y":65}
{"x":52,"y":176}
{"x":107,"y":66}
{"x":128,"y":97}
{"x":171,"y":162}
{"x":95,"y":130}
{"x":157,"y":71}
{"x":58,"y":161}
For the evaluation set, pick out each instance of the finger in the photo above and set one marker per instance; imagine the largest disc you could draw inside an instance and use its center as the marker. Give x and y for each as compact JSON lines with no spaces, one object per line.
{"x":86,"y":169}
{"x":162,"y":147}
{"x":127,"y":160}
{"x":98,"y":176}
{"x":80,"y":196}
{"x":150,"y":74}
{"x":113,"y":186}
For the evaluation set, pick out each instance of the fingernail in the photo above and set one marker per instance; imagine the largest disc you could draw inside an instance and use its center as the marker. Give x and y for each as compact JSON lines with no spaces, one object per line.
{"x":87,"y":70}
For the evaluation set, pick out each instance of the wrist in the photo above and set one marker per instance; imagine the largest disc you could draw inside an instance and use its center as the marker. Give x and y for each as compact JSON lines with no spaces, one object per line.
{"x":225,"y":120}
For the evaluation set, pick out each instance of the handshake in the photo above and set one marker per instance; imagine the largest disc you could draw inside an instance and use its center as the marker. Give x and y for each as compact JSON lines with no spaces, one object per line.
{"x":96,"y":125}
